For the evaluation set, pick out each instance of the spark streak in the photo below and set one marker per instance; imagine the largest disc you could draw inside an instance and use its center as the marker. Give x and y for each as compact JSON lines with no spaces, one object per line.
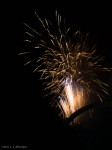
{"x":73,"y":98}
{"x":69,"y":64}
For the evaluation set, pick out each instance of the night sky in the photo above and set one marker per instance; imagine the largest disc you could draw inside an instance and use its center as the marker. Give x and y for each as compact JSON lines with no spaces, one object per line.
{"x":26,"y":116}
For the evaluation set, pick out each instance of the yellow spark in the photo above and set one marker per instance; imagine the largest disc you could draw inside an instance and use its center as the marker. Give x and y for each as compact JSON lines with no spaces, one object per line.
{"x":73,"y":98}
{"x":68,"y":65}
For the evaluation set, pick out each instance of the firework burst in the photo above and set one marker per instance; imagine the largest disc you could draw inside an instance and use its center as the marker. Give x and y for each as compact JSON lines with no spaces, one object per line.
{"x":68,"y":65}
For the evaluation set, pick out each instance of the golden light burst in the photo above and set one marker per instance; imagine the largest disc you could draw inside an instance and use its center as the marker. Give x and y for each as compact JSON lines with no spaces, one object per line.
{"x":72,"y":99}
{"x":69,"y":65}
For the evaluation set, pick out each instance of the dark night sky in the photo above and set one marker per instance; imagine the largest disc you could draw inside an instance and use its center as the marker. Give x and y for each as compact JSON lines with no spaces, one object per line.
{"x":26,"y":117}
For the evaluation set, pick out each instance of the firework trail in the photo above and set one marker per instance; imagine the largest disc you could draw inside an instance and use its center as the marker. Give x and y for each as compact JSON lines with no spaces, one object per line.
{"x":68,"y":65}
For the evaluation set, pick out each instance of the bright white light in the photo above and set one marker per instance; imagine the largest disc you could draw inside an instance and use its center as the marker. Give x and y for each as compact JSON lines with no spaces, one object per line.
{"x":72,"y":99}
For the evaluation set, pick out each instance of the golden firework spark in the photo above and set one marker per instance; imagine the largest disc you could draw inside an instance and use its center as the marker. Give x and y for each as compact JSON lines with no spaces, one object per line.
{"x":69,"y":64}
{"x":72,"y":99}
